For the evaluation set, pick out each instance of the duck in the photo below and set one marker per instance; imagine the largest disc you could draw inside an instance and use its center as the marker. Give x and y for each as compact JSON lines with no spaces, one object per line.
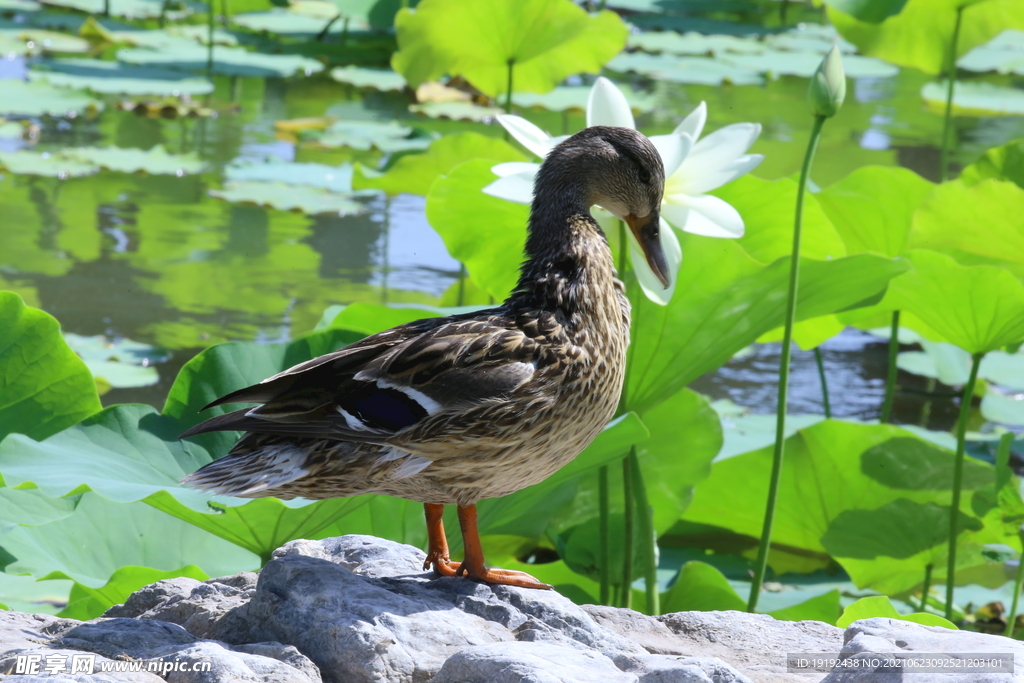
{"x":458,"y":409}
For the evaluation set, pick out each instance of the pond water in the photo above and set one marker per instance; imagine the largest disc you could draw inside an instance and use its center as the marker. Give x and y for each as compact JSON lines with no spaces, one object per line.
{"x":158,"y":260}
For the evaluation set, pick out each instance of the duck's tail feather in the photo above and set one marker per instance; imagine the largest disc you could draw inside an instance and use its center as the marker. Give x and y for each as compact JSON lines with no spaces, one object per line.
{"x":251,"y":473}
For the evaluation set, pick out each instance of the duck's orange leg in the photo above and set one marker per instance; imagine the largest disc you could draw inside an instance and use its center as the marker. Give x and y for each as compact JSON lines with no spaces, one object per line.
{"x":437,"y":543}
{"x":473,"y":564}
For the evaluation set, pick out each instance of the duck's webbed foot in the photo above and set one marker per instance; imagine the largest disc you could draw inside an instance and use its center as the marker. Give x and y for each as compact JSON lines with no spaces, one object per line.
{"x":473,"y":566}
{"x":437,"y":543}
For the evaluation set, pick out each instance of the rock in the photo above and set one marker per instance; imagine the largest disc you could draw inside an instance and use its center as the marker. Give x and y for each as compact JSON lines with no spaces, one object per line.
{"x":869,"y":637}
{"x":356,"y":609}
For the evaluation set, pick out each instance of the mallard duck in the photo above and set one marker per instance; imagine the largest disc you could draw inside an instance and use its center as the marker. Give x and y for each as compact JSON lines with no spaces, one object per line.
{"x":450,"y":411}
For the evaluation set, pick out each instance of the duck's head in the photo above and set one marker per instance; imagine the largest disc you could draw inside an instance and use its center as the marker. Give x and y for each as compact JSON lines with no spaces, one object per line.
{"x":618,"y":169}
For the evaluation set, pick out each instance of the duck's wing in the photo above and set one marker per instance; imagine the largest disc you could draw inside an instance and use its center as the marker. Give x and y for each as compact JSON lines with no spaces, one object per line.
{"x":385,"y":384}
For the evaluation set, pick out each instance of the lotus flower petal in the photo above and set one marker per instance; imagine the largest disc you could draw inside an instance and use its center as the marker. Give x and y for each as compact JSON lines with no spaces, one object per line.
{"x":607,"y":106}
{"x":529,"y":136}
{"x":693,"y":125}
{"x":703,"y":215}
{"x":511,"y":167}
{"x":517,"y":187}
{"x":649,"y":282}
{"x":673,"y":150}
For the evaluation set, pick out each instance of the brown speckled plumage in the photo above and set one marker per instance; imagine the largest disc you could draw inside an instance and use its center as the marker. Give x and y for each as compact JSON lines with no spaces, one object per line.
{"x":482,"y":404}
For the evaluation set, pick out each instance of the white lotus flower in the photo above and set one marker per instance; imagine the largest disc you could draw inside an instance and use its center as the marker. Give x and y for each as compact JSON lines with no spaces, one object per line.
{"x":693,"y":167}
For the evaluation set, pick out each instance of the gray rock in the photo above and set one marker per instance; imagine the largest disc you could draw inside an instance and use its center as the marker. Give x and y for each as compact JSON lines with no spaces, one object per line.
{"x":869,"y":637}
{"x":529,"y":662}
{"x":356,"y":609}
{"x":754,"y":644}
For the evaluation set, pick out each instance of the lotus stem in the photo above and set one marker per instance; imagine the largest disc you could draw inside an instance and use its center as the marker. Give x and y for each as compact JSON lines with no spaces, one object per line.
{"x":106,"y":8}
{"x":648,"y":534}
{"x":958,"y":473}
{"x":947,"y":125}
{"x":344,"y":32}
{"x":787,"y":342}
{"x":926,"y":586}
{"x":320,"y":37}
{"x":209,"y":41}
{"x":224,"y":16}
{"x":163,"y":13}
{"x":890,"y":378}
{"x":824,"y":383}
{"x":1011,"y":618}
{"x":460,"y":299}
{"x":627,"y":535}
{"x":604,"y":547}
{"x":508,"y":92}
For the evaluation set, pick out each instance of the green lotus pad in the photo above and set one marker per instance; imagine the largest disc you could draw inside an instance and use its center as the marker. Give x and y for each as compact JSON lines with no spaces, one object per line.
{"x":41,"y":99}
{"x":1004,"y":54}
{"x":976,"y":98}
{"x":692,"y":43}
{"x":465,"y":111}
{"x":130,"y":9}
{"x":46,"y":164}
{"x":277,"y":195}
{"x":695,"y":70}
{"x":122,"y":362}
{"x":387,"y":136}
{"x":565,"y":98}
{"x":116,"y":78}
{"x":33,"y":41}
{"x":361,"y":77}
{"x":83,"y":161}
{"x":791,"y":63}
{"x":173,"y":37}
{"x":281,"y":21}
{"x":231,"y":61}
{"x":156,"y":161}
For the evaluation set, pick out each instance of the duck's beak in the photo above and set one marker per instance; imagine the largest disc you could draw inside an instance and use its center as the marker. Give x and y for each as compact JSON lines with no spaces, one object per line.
{"x":646,"y":230}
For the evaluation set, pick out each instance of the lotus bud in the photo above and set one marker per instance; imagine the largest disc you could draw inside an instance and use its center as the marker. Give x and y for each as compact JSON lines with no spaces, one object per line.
{"x":828,"y":85}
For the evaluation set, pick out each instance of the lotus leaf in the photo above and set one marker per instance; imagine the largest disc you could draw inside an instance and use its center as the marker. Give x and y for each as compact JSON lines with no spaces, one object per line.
{"x":696,"y":70}
{"x":731,"y":301}
{"x":832,"y":467}
{"x":947,"y":363}
{"x":574,"y":97}
{"x":41,"y":99}
{"x":133,"y":535}
{"x":33,"y":41}
{"x":288,"y":22}
{"x":786,"y":63}
{"x":286,"y":197}
{"x":969,"y":224}
{"x":387,"y":136}
{"x":544,"y":40}
{"x":978,"y":308}
{"x":977,"y":99}
{"x":172,"y":37}
{"x":466,"y":111}
{"x":809,"y":37}
{"x":155,"y":161}
{"x":920,"y":35}
{"x":25,"y":594}
{"x":702,"y":587}
{"x":131,"y":453}
{"x":1004,"y":54}
{"x":20,"y":5}
{"x":880,"y":606}
{"x":998,"y":163}
{"x":871,"y":11}
{"x":872,"y":208}
{"x":1006,"y":409}
{"x":362,"y":77}
{"x":692,"y":43}
{"x":85,"y":602}
{"x":44,"y":386}
{"x":31,"y":508}
{"x":130,"y":9}
{"x":122,"y":363}
{"x":233,"y":61}
{"x":115,"y":78}
{"x":766,"y":207}
{"x":483,"y":232}
{"x":49,"y":164}
{"x":334,"y":178}
{"x":415,"y":173}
